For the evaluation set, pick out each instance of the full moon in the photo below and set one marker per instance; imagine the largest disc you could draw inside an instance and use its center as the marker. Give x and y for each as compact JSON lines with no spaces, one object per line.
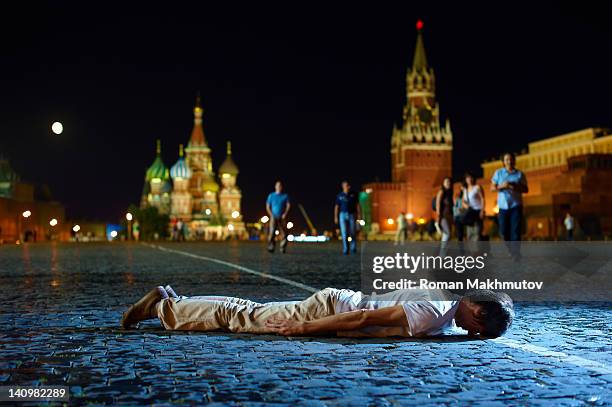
{"x":57,"y":128}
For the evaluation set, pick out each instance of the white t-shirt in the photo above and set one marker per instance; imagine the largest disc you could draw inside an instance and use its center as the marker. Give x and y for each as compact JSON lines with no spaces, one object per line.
{"x":429,"y":312}
{"x":473,"y":198}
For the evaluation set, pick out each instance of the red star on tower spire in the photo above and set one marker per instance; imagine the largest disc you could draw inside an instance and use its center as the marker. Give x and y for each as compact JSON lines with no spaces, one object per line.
{"x":419,"y":24}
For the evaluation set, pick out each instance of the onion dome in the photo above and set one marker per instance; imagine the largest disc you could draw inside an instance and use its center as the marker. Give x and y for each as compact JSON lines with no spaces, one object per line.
{"x":209,"y":184}
{"x":228,"y":166}
{"x":180,"y":169}
{"x":157,"y":170}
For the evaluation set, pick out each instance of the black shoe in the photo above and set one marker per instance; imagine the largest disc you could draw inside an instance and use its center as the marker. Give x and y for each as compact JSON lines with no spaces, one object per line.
{"x":270,"y":249}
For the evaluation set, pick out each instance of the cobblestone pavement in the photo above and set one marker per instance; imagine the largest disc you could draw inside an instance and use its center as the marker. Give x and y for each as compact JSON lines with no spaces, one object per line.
{"x":62,"y":304}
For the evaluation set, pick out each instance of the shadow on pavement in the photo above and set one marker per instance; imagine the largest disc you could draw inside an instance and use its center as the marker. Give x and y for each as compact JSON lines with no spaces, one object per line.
{"x":112,"y":330}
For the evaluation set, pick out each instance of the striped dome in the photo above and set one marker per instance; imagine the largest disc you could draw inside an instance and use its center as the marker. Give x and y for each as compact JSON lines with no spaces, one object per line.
{"x":180,"y":169}
{"x":158,"y":169}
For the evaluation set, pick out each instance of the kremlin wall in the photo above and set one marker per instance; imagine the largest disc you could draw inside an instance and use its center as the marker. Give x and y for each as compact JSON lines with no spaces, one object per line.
{"x":566,"y":173}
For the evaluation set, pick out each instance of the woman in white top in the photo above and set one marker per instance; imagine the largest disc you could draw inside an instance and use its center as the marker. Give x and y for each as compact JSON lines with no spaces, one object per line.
{"x":474,"y":203}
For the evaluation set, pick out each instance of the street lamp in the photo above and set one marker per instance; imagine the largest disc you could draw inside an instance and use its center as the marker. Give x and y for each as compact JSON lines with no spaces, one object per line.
{"x":289,"y":225}
{"x":76,"y":228}
{"x":26,"y":214}
{"x":235,"y":214}
{"x":264,"y":219}
{"x":53,"y":222}
{"x":207,"y":211}
{"x":129,"y":217}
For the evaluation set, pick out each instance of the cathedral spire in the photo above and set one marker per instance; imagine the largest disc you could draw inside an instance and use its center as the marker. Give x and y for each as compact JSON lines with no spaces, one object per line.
{"x":197,"y":134}
{"x":419,"y":62}
{"x":158,"y":147}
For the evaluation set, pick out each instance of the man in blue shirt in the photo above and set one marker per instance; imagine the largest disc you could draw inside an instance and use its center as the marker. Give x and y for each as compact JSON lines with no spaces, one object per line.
{"x":277,"y":206}
{"x":346,"y":213}
{"x":510,"y":185}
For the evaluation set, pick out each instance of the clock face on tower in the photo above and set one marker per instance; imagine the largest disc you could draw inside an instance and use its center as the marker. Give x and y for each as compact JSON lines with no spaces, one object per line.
{"x":425,"y":115}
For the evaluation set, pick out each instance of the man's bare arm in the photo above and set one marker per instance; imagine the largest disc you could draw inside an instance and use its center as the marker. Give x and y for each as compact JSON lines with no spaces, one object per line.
{"x":269,"y":209}
{"x":286,"y":210}
{"x":346,"y":321}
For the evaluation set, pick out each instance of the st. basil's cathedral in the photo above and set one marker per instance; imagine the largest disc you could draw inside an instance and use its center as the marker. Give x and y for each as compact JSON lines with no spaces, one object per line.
{"x":189,"y":190}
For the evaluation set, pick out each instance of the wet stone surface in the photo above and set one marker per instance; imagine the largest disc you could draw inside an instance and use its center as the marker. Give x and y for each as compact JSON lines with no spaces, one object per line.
{"x":62,"y":304}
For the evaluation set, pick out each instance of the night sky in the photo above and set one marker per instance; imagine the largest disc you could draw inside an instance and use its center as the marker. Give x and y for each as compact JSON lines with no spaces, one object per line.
{"x":306,"y":94}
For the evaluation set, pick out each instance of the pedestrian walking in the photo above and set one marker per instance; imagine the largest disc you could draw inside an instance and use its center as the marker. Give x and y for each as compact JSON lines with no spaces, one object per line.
{"x":569,"y":224}
{"x":277,"y":206}
{"x":402,"y":229}
{"x":136,"y":230}
{"x":510,"y":185}
{"x":474,"y":204}
{"x":180,"y":230}
{"x":444,"y":208}
{"x":458,"y":211}
{"x":346,"y":213}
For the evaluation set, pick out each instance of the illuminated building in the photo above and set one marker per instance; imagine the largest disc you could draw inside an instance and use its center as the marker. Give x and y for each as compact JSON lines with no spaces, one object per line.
{"x":28,"y":212}
{"x":567,"y":173}
{"x":157,"y":184}
{"x":181,"y":197}
{"x":190,"y":191}
{"x":421,"y":150}
{"x":230,"y":195}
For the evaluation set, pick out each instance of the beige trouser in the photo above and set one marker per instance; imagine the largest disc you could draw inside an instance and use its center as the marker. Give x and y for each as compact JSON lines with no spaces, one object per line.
{"x":239,"y":315}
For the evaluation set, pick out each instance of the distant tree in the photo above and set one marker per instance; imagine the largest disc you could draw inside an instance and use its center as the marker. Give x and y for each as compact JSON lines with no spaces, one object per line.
{"x":151,"y":222}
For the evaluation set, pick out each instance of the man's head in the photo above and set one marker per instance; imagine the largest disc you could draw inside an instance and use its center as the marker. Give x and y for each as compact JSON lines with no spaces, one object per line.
{"x":509,"y":160}
{"x":346,"y":187}
{"x":278,"y":186}
{"x":485,"y":313}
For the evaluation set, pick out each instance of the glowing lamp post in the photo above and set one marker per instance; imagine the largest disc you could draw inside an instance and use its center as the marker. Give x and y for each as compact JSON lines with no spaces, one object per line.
{"x":26,"y":214}
{"x":235,"y":215}
{"x":129,"y":217}
{"x":264,"y":219}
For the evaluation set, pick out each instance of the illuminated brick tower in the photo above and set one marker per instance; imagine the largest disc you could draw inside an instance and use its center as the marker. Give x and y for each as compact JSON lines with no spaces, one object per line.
{"x":202,"y":184}
{"x":421,"y":148}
